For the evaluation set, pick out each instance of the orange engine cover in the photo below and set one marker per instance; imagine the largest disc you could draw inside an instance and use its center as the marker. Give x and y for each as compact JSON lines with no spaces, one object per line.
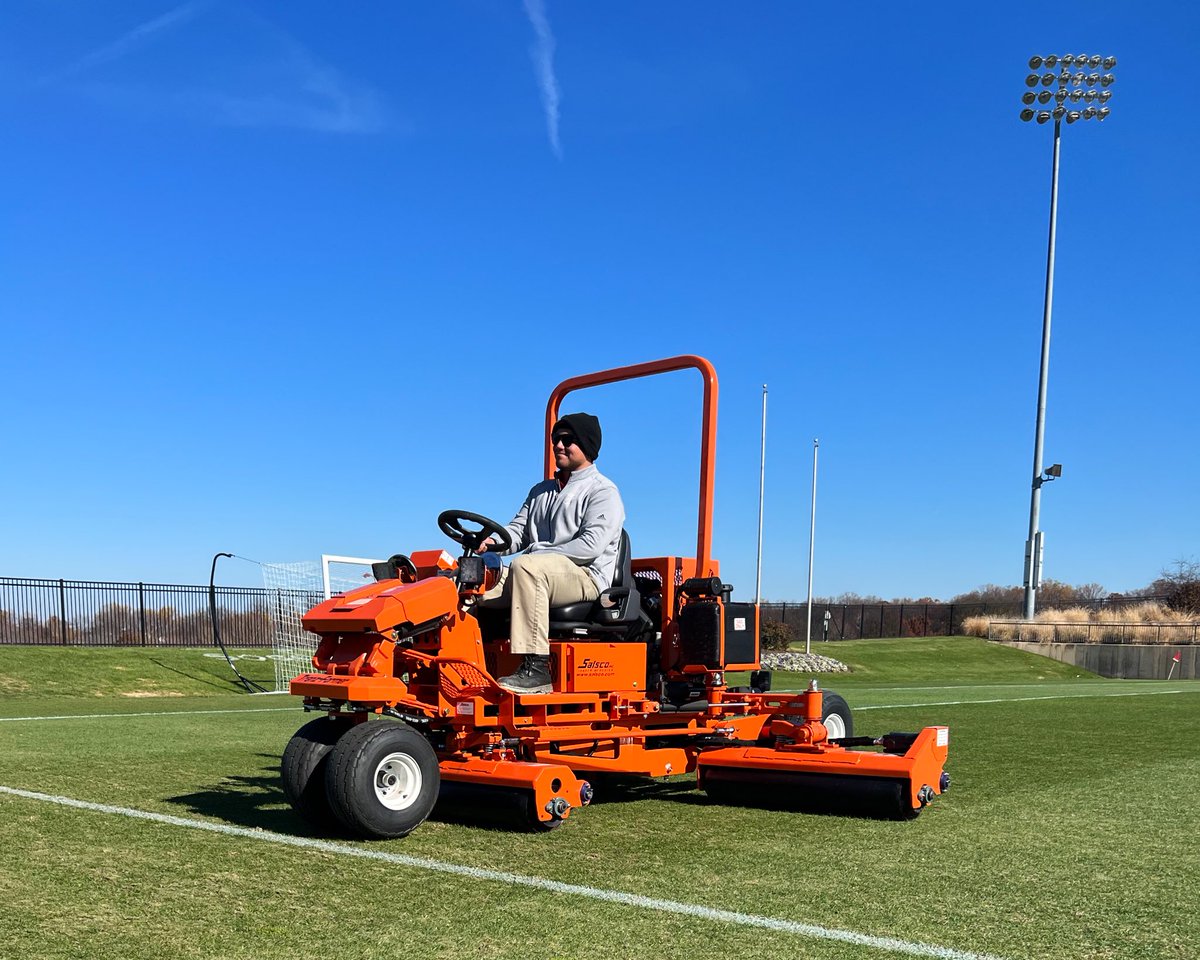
{"x":381,"y":606}
{"x":599,"y":667}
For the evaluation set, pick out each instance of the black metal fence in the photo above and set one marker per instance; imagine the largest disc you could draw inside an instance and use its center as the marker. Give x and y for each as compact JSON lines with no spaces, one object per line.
{"x":86,"y":613}
{"x":96,"y":614}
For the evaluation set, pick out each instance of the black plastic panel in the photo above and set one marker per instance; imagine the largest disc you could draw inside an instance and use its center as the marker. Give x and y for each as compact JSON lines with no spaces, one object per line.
{"x":700,"y":635}
{"x":741,"y":633}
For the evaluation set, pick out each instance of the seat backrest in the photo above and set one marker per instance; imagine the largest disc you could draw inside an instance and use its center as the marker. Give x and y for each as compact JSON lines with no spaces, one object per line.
{"x":620,"y":604}
{"x":623,"y":572}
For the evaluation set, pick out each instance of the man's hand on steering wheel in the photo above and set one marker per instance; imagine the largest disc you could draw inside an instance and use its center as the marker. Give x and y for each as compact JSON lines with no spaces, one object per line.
{"x":491,"y":534}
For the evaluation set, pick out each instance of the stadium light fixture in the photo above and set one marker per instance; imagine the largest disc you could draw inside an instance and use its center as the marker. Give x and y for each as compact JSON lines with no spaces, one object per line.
{"x":1069,"y":87}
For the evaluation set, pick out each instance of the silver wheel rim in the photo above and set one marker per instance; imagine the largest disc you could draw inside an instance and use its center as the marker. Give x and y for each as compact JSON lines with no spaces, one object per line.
{"x":398,"y":781}
{"x":835,"y":725}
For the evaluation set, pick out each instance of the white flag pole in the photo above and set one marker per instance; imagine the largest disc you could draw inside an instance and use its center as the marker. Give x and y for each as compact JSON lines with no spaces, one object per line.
{"x":762,"y":476}
{"x":812,"y":533}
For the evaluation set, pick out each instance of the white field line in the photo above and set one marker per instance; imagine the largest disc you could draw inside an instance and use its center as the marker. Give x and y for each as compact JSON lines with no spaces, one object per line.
{"x":913,"y":948}
{"x":151,"y":713}
{"x":1063,"y":696}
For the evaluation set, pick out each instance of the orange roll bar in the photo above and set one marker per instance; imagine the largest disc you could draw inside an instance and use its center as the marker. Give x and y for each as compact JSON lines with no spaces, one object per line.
{"x":708,"y":430}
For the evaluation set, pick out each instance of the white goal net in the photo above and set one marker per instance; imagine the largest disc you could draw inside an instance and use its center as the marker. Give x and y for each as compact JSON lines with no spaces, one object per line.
{"x":294,"y":589}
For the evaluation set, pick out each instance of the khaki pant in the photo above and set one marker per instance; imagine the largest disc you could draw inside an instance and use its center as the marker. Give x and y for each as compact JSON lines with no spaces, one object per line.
{"x":531,"y":585}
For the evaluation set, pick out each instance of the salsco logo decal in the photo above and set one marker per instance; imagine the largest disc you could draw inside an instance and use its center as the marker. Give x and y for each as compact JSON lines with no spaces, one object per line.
{"x":596,"y":666}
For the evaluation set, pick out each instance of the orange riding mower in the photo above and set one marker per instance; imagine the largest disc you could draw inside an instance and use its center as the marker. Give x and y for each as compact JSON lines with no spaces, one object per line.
{"x":405,"y":679}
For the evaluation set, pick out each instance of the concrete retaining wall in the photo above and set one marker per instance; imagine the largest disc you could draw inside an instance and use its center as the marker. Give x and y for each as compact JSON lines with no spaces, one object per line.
{"x":1125,"y":661}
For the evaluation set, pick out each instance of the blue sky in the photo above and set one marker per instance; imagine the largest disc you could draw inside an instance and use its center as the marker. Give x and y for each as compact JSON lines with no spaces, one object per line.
{"x":289,"y":279}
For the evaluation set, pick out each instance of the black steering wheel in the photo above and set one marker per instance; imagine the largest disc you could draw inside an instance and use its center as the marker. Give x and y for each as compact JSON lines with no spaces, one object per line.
{"x":450,"y":522}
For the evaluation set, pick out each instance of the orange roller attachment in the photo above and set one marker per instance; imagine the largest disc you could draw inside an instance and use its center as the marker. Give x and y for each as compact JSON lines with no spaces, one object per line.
{"x":552,"y":789}
{"x":849,"y":780}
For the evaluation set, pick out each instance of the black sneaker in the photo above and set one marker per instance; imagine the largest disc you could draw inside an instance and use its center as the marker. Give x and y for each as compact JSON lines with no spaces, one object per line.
{"x":532,"y":676}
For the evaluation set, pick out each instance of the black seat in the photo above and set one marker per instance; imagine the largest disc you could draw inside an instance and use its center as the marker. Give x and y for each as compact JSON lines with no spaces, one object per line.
{"x":617,"y":611}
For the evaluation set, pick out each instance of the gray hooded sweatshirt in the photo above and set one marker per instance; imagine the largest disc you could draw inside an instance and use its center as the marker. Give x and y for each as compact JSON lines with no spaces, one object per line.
{"x":582,"y":521}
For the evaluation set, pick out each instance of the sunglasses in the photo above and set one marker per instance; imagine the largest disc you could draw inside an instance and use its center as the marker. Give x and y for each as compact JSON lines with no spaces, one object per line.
{"x":566,"y":439}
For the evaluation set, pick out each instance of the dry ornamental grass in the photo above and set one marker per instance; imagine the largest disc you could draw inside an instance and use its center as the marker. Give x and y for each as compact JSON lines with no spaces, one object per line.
{"x":1149,"y":622}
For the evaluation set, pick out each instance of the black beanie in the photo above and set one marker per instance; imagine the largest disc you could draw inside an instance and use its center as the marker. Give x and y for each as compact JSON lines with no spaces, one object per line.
{"x":586,"y":429}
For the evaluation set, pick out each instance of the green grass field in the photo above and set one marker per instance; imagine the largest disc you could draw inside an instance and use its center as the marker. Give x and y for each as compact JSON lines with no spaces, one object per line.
{"x":1071,"y":830}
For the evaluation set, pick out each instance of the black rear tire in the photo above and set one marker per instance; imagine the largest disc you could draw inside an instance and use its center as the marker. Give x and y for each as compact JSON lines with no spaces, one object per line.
{"x":835,"y":711}
{"x":382,"y":780}
{"x":302,"y":768}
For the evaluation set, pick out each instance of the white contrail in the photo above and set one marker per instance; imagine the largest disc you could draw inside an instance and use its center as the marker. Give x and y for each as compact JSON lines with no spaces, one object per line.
{"x":297,"y":90}
{"x":131,"y":40}
{"x":543,"y":62}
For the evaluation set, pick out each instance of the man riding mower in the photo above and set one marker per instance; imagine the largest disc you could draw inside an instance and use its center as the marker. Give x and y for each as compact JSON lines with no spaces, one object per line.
{"x":406,"y":679}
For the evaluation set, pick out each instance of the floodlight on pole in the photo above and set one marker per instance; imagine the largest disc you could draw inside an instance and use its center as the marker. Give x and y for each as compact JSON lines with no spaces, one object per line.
{"x":1065,"y":79}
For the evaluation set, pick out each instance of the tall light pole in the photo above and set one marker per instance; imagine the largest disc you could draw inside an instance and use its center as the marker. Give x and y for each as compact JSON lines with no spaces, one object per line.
{"x":1075,"y":96}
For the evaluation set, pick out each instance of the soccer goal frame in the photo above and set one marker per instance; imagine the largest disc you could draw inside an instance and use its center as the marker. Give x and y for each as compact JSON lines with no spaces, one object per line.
{"x":331,"y":558}
{"x":291,"y":588}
